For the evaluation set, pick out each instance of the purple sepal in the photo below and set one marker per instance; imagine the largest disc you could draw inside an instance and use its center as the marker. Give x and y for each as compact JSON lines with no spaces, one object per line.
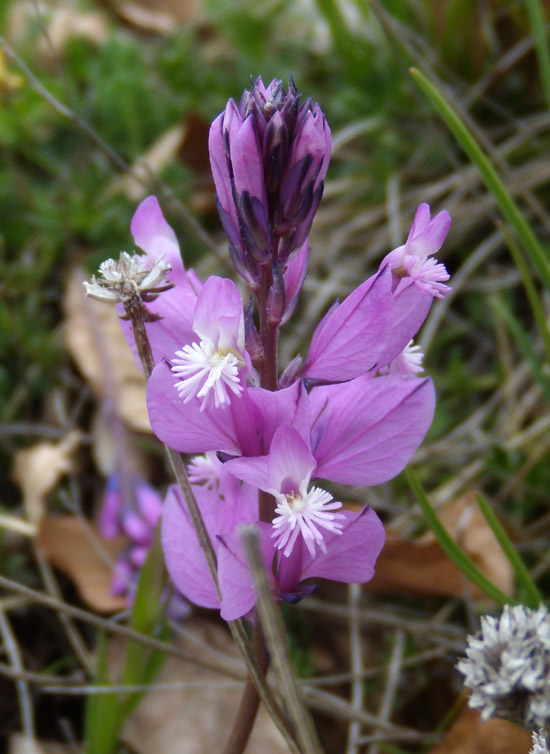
{"x":350,"y":337}
{"x":364,"y":432}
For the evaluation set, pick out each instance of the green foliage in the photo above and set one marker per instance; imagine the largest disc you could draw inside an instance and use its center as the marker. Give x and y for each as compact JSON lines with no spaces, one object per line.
{"x":106,"y":713}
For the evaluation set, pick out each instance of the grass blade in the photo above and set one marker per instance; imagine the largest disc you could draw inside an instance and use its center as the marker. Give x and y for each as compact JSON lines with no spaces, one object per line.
{"x":490,"y":177}
{"x":450,"y":547}
{"x":532,"y":597}
{"x":540,"y":36}
{"x":523,"y":342}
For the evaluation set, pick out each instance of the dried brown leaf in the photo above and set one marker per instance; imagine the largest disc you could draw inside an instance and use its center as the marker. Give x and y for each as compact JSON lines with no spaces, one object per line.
{"x":135,"y":184}
{"x":421,"y":567}
{"x":77,"y":550}
{"x":158,"y":16}
{"x":38,"y":469}
{"x":468,"y":735}
{"x":96,"y":343}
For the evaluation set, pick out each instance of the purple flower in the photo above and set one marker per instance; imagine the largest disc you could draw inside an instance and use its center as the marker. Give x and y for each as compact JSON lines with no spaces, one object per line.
{"x":348,"y":554}
{"x":350,"y":557}
{"x":413,"y":263}
{"x":269,"y":157}
{"x":133,"y":508}
{"x":213,"y":368}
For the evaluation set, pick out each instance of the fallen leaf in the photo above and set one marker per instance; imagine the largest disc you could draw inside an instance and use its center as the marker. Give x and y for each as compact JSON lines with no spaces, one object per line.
{"x":158,"y":16}
{"x":77,"y":550}
{"x":199,"y":718}
{"x":186,"y":143}
{"x":136,"y":183}
{"x":468,"y":735}
{"x":421,"y":567}
{"x":96,"y":343}
{"x":66,"y":24}
{"x":60,"y":20}
{"x":38,"y":469}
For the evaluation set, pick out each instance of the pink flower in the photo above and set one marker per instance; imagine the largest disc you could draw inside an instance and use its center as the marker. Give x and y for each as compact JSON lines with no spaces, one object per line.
{"x":350,"y":557}
{"x":213,"y":366}
{"x":413,"y":263}
{"x":301,"y":510}
{"x":349,"y":552}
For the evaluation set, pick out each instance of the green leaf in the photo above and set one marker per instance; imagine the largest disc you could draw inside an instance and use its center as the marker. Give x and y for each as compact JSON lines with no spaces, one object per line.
{"x":540,"y":36}
{"x":140,"y":663}
{"x":448,"y":545}
{"x":103,"y":719}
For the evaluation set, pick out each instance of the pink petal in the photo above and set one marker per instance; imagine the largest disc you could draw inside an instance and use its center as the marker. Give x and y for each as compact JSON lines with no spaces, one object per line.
{"x":431,"y":238}
{"x":286,"y":466}
{"x":183,"y":426}
{"x":410,"y":309}
{"x":185,"y":559}
{"x":350,"y":557}
{"x":220,"y":165}
{"x":421,"y":220}
{"x":236,"y":584}
{"x":364,"y":432}
{"x":152,"y":233}
{"x":290,"y":461}
{"x":294,"y":276}
{"x":219,"y":314}
{"x":184,"y":556}
{"x":349,"y":339}
{"x":246,"y":160}
{"x":274,"y":408}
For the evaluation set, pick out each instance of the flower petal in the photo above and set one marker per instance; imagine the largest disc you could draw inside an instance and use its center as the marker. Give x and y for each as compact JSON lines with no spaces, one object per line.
{"x":152,"y":233}
{"x":365,"y":431}
{"x":350,"y":557}
{"x":183,"y":426}
{"x":349,"y":339}
{"x":185,"y":559}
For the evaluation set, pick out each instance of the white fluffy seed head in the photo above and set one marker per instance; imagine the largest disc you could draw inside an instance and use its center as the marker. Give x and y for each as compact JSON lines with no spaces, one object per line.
{"x":507,"y":666}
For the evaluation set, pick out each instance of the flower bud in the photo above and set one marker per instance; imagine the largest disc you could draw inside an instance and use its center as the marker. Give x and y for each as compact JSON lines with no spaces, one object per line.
{"x":269,"y":157}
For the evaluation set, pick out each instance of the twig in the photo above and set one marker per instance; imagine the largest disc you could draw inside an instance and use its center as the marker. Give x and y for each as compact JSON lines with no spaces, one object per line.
{"x":340,"y":708}
{"x":277,"y":644}
{"x":354,"y":595}
{"x":75,"y":640}
{"x":113,"y":628}
{"x":394,"y":669}
{"x":23,"y":692}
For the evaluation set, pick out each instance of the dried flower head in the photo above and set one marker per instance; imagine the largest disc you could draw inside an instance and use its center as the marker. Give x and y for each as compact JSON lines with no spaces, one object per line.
{"x":128,"y":275}
{"x":507,"y":666}
{"x":540,"y":744}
